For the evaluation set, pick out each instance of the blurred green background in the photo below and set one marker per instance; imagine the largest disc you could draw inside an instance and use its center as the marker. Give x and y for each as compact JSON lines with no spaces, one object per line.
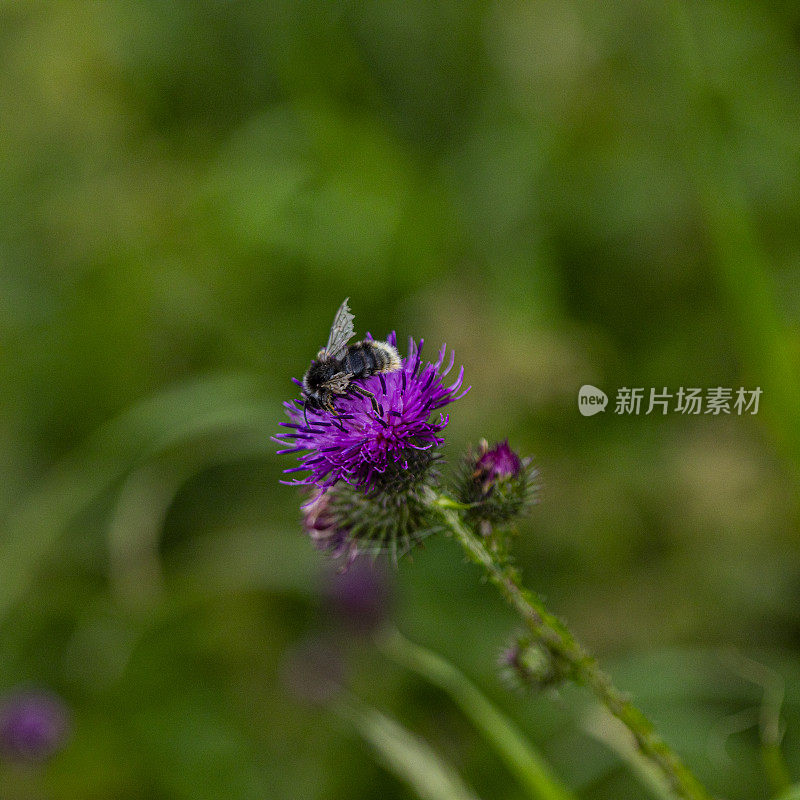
{"x":564,"y":192}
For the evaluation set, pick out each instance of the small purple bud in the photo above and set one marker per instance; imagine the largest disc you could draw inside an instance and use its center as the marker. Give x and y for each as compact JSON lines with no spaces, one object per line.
{"x":320,"y":524}
{"x":313,"y":671}
{"x":496,"y":483}
{"x":33,"y":725}
{"x":497,"y":463}
{"x":360,"y":597}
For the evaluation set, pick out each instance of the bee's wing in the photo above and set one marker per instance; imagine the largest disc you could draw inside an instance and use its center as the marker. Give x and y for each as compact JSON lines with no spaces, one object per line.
{"x":342,"y":331}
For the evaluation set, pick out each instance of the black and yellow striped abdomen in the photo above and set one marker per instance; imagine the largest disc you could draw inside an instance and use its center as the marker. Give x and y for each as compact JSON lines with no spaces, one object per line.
{"x":369,"y":358}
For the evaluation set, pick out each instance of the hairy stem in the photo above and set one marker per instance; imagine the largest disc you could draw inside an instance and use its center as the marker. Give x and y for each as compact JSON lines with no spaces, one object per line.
{"x":584,"y":669}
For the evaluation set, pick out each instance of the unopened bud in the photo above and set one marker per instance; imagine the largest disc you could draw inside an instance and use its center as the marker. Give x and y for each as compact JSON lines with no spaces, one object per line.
{"x":529,"y":664}
{"x":496,"y":483}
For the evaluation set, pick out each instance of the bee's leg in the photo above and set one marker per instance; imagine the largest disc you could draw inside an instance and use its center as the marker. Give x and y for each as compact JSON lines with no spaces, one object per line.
{"x":305,"y":413}
{"x":329,"y":406}
{"x":367,"y":393}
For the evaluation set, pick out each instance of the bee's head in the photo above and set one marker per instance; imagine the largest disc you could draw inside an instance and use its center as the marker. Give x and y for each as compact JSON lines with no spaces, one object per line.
{"x":310,"y":400}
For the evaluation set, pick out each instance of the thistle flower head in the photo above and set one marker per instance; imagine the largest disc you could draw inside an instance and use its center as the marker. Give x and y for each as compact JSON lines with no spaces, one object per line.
{"x":369,"y":449}
{"x":33,"y":725}
{"x":348,"y":523}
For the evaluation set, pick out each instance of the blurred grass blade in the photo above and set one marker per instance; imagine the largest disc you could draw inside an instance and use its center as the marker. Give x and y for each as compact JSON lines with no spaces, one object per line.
{"x":530,"y":768}
{"x":792,"y":793}
{"x":230,"y":408}
{"x":773,"y":686}
{"x":406,"y":755}
{"x":776,"y":769}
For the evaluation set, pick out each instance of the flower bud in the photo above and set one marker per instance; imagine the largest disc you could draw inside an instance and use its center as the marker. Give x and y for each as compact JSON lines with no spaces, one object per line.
{"x":326,"y":533}
{"x":528,"y":664}
{"x":496,"y":483}
{"x":497,"y":464}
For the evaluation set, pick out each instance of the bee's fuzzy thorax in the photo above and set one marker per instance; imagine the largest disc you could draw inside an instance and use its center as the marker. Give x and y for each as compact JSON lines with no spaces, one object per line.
{"x":317,"y":374}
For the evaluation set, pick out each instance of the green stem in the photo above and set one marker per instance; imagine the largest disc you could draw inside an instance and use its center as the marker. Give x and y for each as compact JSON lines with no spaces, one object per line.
{"x":406,"y":755}
{"x":585,"y":670}
{"x":776,"y":768}
{"x":531,"y":769}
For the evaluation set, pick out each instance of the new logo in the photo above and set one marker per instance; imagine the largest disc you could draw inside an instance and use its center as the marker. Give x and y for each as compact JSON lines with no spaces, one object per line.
{"x":591,"y":400}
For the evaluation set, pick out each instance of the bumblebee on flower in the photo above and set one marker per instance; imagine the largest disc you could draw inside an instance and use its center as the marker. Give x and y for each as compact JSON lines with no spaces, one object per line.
{"x":374,"y":444}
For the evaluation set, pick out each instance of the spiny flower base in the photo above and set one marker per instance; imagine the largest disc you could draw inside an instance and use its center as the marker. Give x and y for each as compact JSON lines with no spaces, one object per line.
{"x":347,"y":523}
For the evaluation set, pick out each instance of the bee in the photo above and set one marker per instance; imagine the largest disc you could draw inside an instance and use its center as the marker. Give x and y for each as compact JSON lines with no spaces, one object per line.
{"x":339,"y":364}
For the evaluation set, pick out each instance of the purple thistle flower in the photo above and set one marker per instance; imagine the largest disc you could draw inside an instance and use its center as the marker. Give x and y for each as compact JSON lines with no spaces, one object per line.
{"x":363,"y":447}
{"x":33,"y":725}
